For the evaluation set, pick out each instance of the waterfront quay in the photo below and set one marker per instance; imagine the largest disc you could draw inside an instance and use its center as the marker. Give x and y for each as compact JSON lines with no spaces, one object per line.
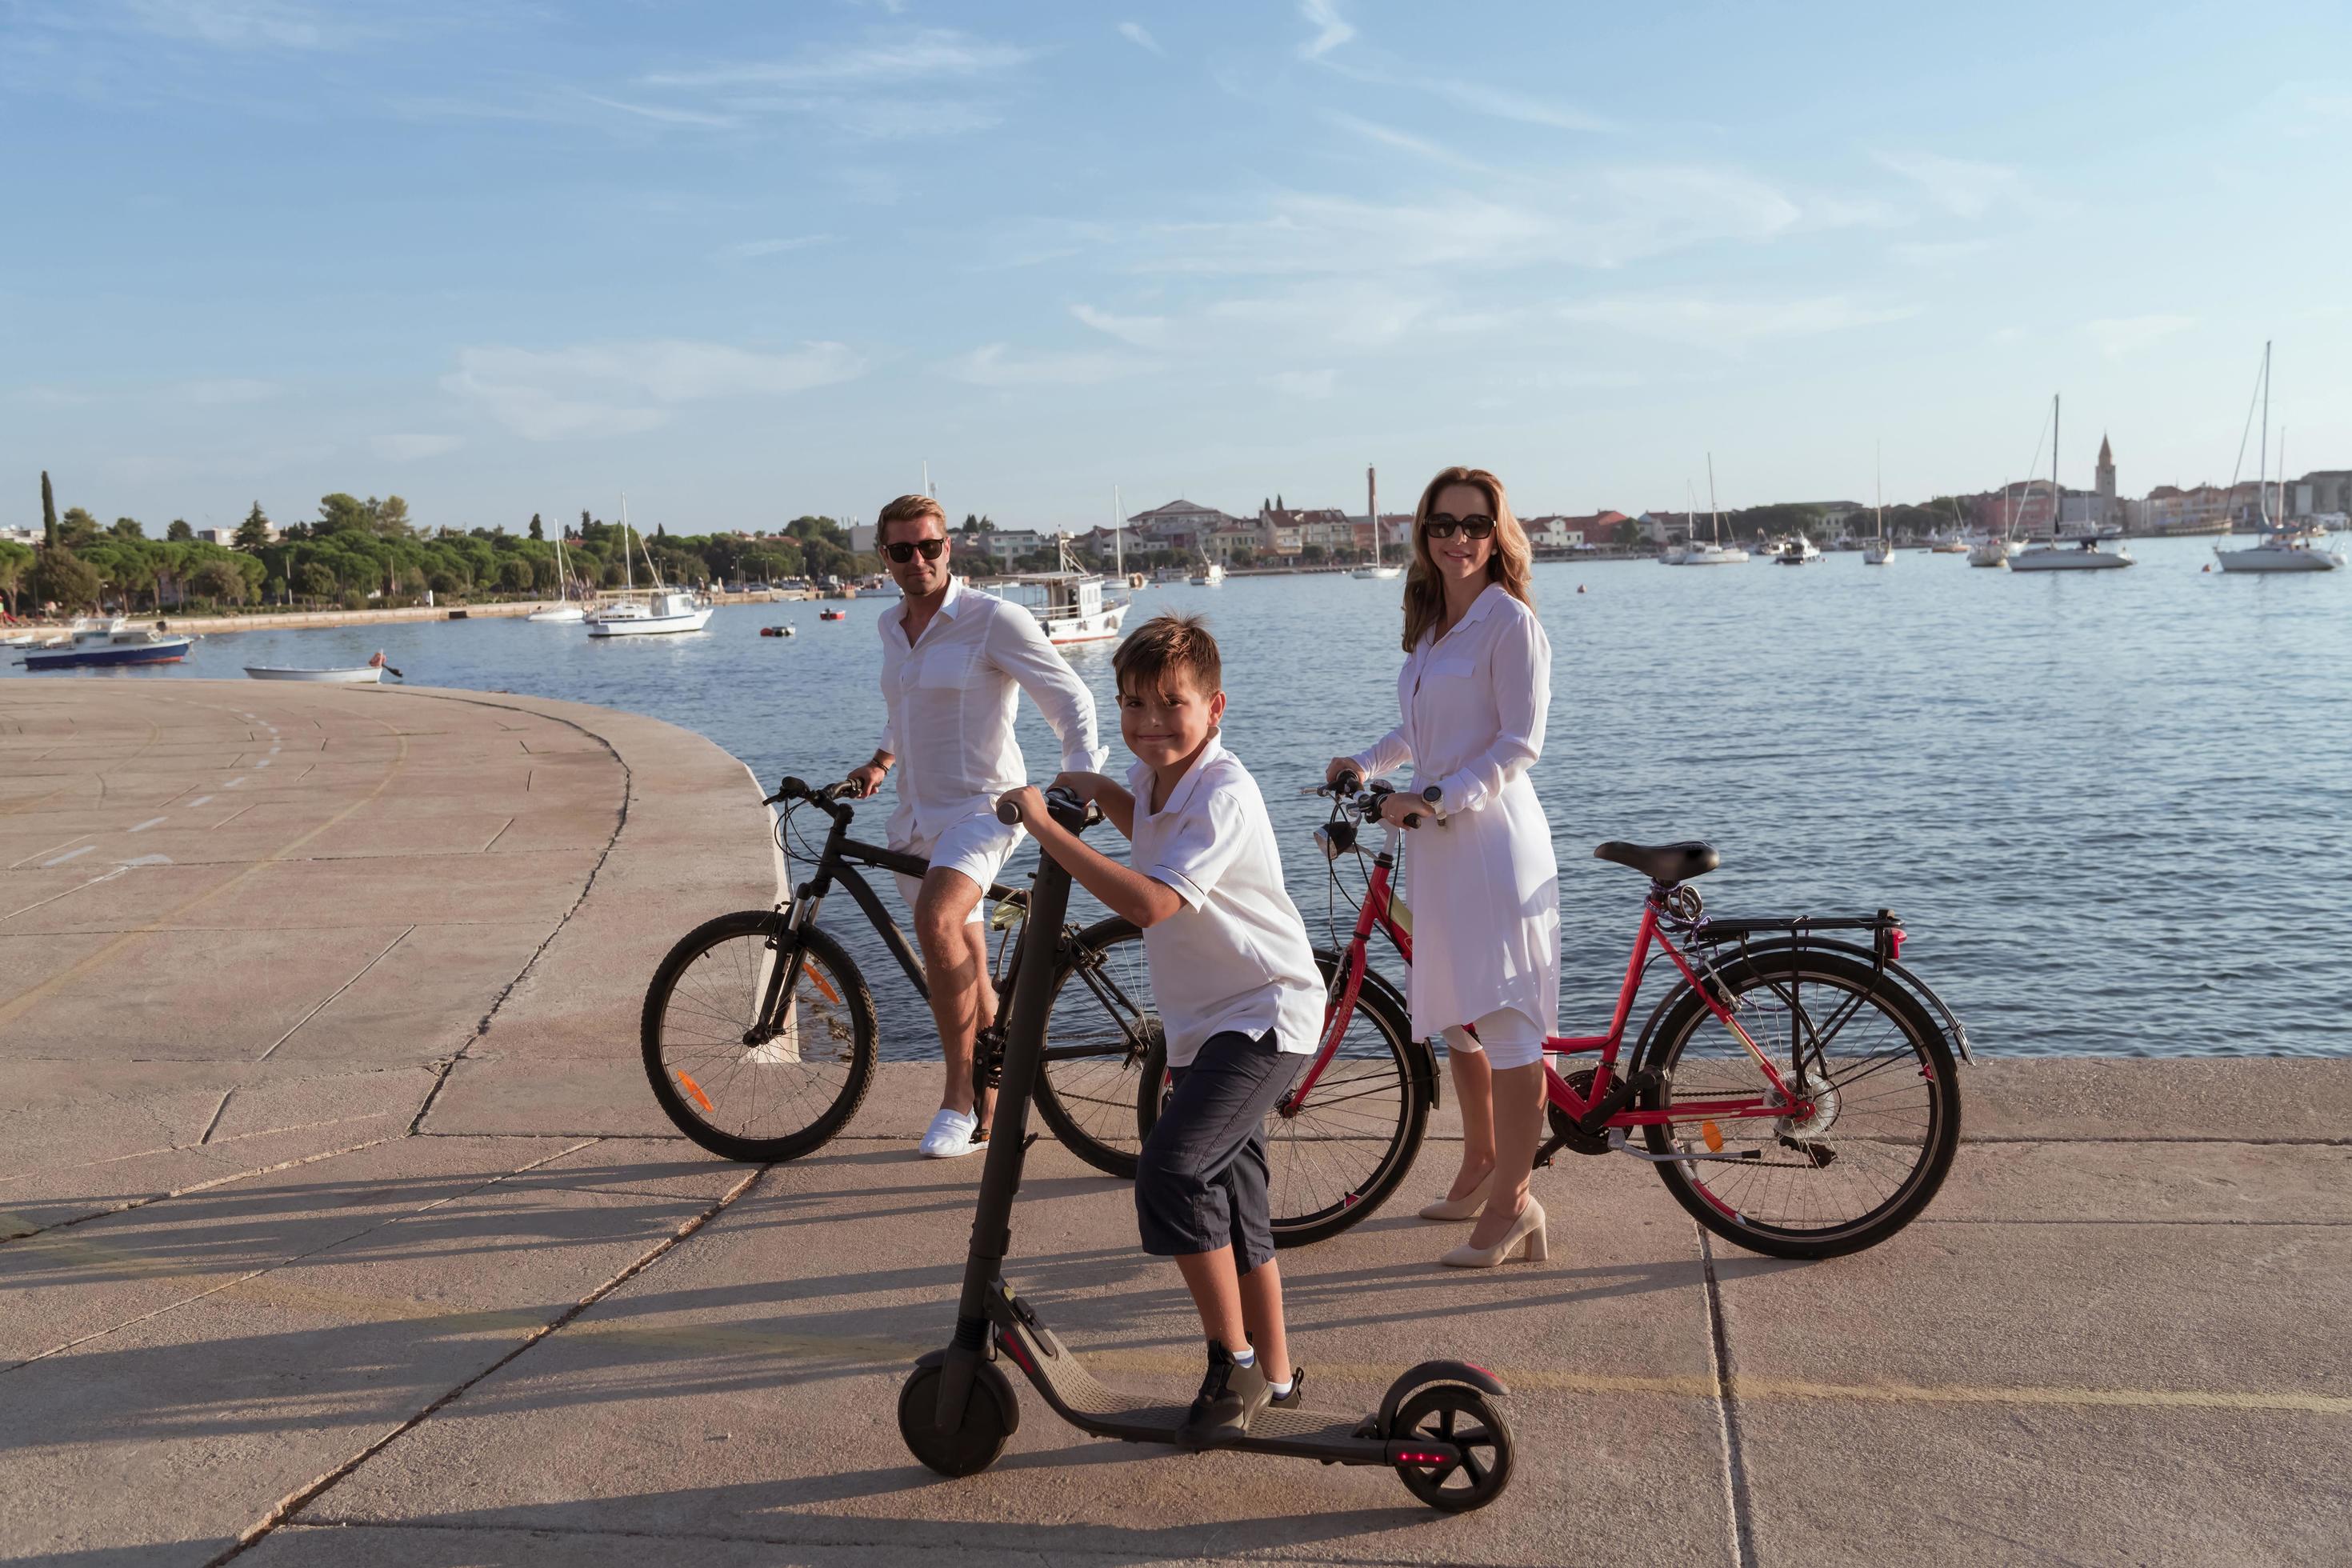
{"x":340,"y":1228}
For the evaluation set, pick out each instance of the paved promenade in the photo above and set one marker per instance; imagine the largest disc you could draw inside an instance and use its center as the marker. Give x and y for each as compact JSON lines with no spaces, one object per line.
{"x":340,"y":1229}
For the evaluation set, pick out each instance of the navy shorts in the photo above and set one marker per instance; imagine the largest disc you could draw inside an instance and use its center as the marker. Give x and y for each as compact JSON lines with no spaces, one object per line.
{"x":1202,"y":1183}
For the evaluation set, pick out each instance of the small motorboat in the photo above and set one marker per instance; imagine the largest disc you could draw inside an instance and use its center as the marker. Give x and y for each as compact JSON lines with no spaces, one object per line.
{"x":101,"y":646}
{"x":777,"y":632}
{"x":833,"y":615}
{"x":369,"y":674}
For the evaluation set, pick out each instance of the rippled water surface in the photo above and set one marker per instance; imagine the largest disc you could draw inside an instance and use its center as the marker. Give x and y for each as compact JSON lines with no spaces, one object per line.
{"x":2112,"y":807}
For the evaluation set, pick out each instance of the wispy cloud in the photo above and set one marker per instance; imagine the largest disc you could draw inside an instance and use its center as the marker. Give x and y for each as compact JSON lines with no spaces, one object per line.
{"x":226,"y":390}
{"x":55,"y":396}
{"x":931,"y":54}
{"x":2118,"y":336}
{"x":1332,"y":29}
{"x":1134,"y":32}
{"x":620,"y":389}
{"x":1000,"y":366}
{"x":667,"y":115}
{"x":1142,"y":331}
{"x":248,"y":24}
{"x":746,"y":249}
{"x":410,"y":449}
{"x":1505,"y":104}
{"x":1309,"y":385}
{"x":1404,"y":142}
{"x":1959,"y":185}
{"x":1730,"y":324}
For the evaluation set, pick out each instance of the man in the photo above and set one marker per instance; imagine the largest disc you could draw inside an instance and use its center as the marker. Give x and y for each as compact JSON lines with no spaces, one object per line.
{"x":952,"y":659}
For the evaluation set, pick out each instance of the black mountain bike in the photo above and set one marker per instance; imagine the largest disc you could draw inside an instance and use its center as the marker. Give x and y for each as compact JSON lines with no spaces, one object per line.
{"x":759,"y":1032}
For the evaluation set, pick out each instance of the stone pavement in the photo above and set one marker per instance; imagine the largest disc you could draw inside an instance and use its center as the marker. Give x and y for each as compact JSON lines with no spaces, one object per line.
{"x":342,"y":1230}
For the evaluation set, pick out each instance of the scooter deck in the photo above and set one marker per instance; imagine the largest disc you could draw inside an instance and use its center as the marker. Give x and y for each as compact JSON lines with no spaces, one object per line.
{"x":1087,"y":1402}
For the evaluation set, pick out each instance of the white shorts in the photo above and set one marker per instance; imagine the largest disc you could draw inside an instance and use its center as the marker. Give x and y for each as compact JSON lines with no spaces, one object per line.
{"x":1509,"y":1037}
{"x":978,"y":846}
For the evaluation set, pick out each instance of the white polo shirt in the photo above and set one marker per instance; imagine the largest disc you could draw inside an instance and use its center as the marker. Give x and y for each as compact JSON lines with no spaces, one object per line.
{"x":1237,"y":956}
{"x":951,"y":699}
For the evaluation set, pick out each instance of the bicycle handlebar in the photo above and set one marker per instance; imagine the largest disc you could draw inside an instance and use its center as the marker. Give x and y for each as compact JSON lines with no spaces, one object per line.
{"x":1351,"y":791}
{"x":1066,"y":810}
{"x":826,"y":795}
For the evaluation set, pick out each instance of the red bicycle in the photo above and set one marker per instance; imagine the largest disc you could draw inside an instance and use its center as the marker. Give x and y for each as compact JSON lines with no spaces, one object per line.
{"x":1796,"y":1087}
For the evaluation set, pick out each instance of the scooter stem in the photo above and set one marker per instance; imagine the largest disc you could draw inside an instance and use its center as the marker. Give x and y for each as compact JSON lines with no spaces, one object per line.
{"x":999,"y":1178}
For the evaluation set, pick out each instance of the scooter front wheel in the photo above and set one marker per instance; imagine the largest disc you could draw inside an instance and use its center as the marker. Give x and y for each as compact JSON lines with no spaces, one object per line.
{"x":976,"y":1443}
{"x":1466,"y":1418}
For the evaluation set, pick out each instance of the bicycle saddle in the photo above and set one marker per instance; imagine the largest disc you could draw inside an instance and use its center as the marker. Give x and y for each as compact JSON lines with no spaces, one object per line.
{"x":1662,"y":862}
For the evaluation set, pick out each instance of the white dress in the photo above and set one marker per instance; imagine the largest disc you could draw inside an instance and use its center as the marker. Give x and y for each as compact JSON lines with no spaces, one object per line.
{"x":1484,"y":888}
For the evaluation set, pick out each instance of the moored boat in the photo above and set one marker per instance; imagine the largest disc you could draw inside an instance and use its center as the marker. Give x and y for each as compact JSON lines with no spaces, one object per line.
{"x":661,"y":611}
{"x":369,"y":674}
{"x":101,"y":648}
{"x":1069,"y":603}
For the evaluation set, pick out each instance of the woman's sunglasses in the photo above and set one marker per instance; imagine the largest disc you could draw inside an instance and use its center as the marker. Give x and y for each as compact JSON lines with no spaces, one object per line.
{"x":905,"y":550}
{"x":1440,"y":526}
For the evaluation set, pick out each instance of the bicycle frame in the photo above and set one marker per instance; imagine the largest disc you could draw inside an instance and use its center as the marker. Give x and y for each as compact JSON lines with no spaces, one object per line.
{"x":1375,"y":913}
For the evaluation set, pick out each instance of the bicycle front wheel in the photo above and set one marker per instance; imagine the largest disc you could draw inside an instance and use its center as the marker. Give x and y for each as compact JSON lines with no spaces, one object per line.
{"x":1887,"y":1116}
{"x":1336,"y":1152}
{"x":741,"y":1090}
{"x":1102,"y":1026}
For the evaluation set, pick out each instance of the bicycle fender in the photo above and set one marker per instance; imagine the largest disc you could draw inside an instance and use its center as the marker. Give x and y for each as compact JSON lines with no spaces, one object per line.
{"x":1920,"y":990}
{"x":1430,"y":1371}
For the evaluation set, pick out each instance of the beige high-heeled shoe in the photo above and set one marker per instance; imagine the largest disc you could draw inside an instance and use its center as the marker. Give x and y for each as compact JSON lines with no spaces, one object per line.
{"x":1463,"y":1208}
{"x":1526,"y":1230}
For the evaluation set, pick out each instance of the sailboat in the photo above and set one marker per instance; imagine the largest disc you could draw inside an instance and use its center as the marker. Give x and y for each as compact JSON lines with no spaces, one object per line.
{"x":1878,"y":552}
{"x":1713,"y":553}
{"x":2284,"y":547}
{"x":1372,"y":500}
{"x":663,"y":610}
{"x":565,"y":610}
{"x":2056,"y":555}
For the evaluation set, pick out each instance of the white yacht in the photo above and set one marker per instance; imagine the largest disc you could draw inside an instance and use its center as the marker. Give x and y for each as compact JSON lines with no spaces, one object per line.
{"x":1878,"y":551}
{"x":2061,"y":551}
{"x":1711,"y":551}
{"x":2283,"y":546}
{"x":1990,"y":549}
{"x":1207,"y":574}
{"x":566,"y":609}
{"x":1068,"y":603}
{"x":1797,"y":550}
{"x":661,"y":611}
{"x":1375,"y":572}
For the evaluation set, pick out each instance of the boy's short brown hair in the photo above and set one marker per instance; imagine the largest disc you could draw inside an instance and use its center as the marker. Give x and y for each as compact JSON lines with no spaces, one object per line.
{"x":905,"y":508}
{"x":1165,"y":642}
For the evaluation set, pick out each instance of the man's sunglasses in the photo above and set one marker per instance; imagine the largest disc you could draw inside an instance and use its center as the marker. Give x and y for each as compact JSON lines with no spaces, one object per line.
{"x":1440,"y":526}
{"x":904,"y":551}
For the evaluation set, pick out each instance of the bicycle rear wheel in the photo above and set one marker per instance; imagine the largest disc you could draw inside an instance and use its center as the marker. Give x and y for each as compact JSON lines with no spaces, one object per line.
{"x":741,"y":1092}
{"x":1335,"y":1157}
{"x":1886,"y":1118}
{"x":1102,"y":1026}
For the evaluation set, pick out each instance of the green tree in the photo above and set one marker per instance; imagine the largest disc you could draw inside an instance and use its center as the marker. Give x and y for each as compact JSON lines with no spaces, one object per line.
{"x":514,"y":574}
{"x":77,"y":527}
{"x":180,"y":531}
{"x":60,"y":577}
{"x":538,"y":529}
{"x":48,"y":512}
{"x":340,"y":513}
{"x":253,"y":534}
{"x":392,"y":518}
{"x":126,"y":528}
{"x":317,"y":580}
{"x":16,"y":564}
{"x":219,"y":581}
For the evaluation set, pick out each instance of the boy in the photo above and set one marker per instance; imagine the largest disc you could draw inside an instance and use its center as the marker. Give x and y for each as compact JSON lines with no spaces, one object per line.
{"x":1239,"y":998}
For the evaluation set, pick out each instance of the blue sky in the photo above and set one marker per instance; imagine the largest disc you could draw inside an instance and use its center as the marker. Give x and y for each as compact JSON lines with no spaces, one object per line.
{"x":749,"y":261}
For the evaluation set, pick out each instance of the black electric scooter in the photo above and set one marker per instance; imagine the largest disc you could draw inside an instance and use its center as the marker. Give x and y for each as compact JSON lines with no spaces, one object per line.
{"x":1438,"y":1426}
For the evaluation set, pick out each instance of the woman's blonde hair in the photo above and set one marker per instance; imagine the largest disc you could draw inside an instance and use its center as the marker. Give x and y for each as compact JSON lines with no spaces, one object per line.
{"x":1424,"y":593}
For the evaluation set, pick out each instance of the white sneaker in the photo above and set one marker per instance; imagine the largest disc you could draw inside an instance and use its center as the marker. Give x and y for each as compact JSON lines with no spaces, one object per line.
{"x":949,"y":1135}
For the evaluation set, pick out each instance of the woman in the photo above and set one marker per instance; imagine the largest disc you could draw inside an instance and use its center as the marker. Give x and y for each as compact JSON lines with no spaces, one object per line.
{"x":1483,"y":883}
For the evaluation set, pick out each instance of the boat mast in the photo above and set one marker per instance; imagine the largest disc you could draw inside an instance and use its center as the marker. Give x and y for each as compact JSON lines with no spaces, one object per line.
{"x":1713,"y":516}
{"x":628,"y":566}
{"x":1118,"y":530}
{"x":2261,"y":479}
{"x":2057,"y":496}
{"x":1372,"y":505}
{"x":1878,"y":478}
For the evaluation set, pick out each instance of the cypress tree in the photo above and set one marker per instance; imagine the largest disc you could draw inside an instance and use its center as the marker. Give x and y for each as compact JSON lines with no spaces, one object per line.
{"x":48,"y":512}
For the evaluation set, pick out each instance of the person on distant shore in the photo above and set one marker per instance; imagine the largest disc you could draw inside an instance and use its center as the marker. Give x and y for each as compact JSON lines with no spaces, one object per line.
{"x":1485,"y":884}
{"x":953,"y":663}
{"x":1241,"y":1001}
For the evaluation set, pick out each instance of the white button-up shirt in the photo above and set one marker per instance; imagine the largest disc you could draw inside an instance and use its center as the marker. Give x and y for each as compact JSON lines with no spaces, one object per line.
{"x":1485,"y":887}
{"x":1237,"y":956}
{"x":950,"y":701}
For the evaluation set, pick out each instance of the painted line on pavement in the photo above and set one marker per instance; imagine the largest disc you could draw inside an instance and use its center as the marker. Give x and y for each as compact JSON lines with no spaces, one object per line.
{"x":151,"y":821}
{"x":69,"y":855}
{"x":200,"y":800}
{"x":235,"y":781}
{"x":51,"y":849}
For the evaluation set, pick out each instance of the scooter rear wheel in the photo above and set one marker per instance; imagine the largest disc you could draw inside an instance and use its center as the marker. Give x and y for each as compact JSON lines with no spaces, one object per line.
{"x":974,"y":1444}
{"x":1451,"y":1413}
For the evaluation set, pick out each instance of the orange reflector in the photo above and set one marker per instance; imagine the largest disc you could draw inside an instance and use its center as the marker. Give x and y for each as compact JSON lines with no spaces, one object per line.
{"x":1714,"y":1136}
{"x":694,"y":1089}
{"x":824,"y":986}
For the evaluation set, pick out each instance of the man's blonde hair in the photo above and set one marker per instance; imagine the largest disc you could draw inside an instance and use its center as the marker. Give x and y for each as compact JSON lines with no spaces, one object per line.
{"x":905,"y":508}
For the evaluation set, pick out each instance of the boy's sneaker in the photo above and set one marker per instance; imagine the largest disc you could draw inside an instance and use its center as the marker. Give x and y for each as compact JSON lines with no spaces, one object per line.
{"x":1229,"y":1394}
{"x":1295,"y":1397}
{"x":949,"y":1135}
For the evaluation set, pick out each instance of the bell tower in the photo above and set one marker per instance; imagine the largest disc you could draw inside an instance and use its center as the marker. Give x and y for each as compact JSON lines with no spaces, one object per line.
{"x":2106,"y":481}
